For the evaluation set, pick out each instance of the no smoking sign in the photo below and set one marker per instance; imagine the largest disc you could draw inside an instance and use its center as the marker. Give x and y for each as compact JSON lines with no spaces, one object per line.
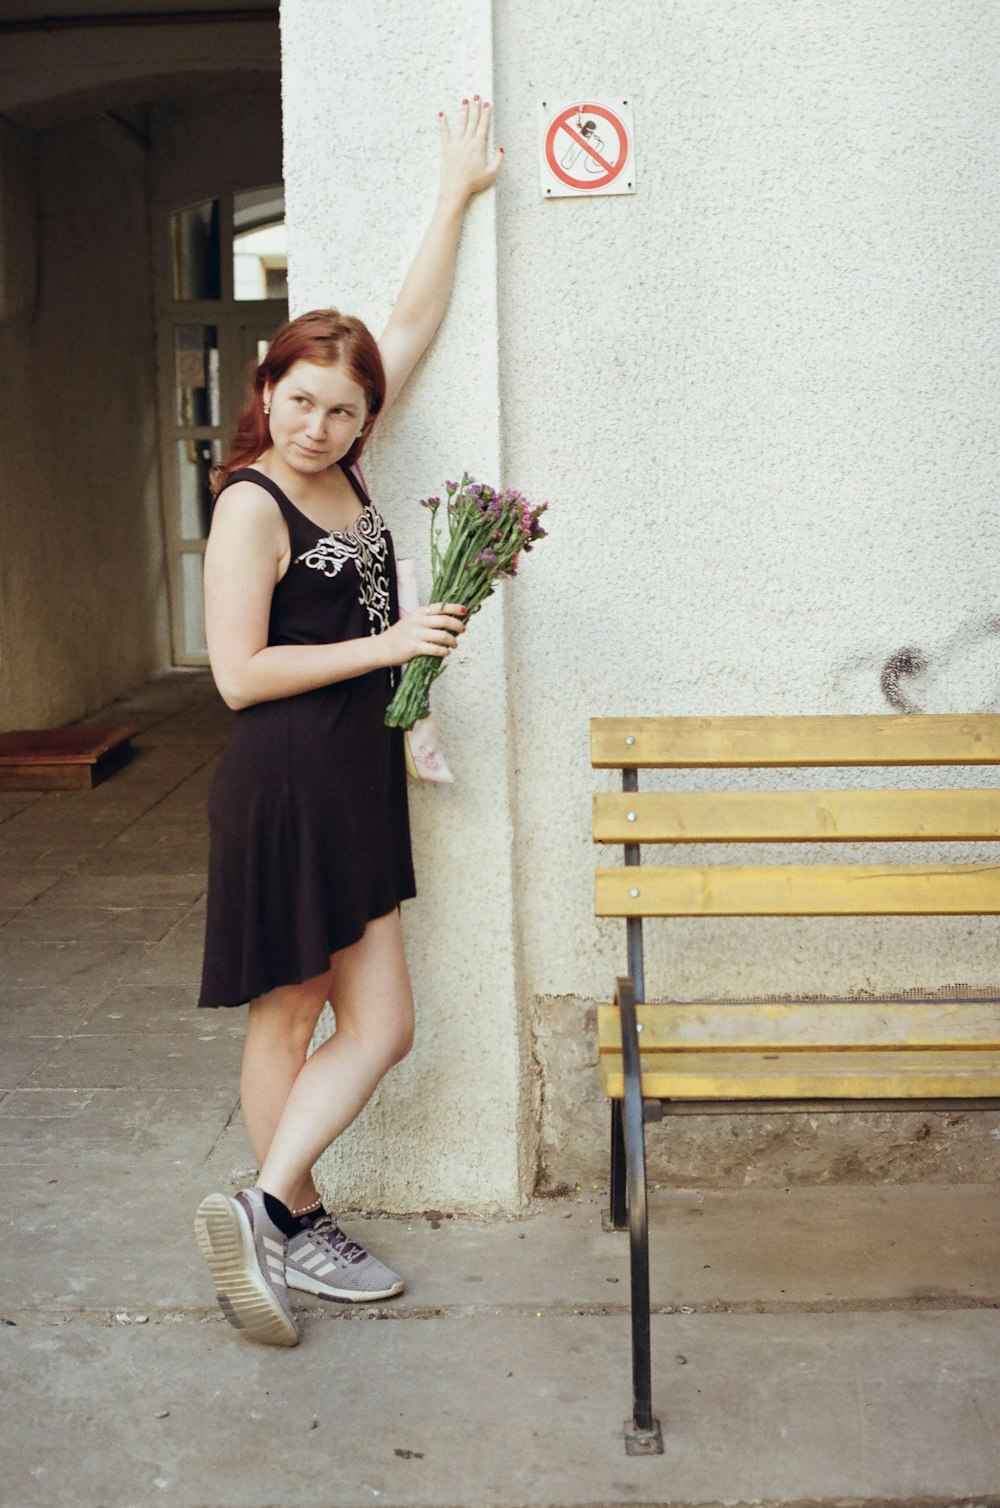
{"x":587,"y":148}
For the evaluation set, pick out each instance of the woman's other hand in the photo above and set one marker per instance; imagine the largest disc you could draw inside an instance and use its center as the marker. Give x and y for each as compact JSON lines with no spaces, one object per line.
{"x":431,"y":630}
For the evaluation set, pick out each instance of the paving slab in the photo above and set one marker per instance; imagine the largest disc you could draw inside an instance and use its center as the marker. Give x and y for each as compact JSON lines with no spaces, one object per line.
{"x":23,"y":855}
{"x":508,"y":1411}
{"x":88,"y":923}
{"x":173,"y":961}
{"x":106,"y":890}
{"x":96,"y":1132}
{"x":150,"y":1060}
{"x":12,"y":802}
{"x":163,"y":1007}
{"x":67,"y":823}
{"x":22,"y":1057}
{"x":140,"y":859}
{"x":46,"y":1009}
{"x":18,"y":888}
{"x":90,"y":965}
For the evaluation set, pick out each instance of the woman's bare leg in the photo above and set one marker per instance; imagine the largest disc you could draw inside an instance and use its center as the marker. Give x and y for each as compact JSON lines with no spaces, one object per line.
{"x":369,"y":989}
{"x":280,"y":1027}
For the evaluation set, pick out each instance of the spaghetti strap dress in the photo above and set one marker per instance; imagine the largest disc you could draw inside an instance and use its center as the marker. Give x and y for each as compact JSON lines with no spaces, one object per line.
{"x":309,"y":835}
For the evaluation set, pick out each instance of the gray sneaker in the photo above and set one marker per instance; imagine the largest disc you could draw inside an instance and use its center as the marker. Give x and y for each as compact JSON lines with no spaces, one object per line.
{"x":322,"y":1260}
{"x":245,"y":1252}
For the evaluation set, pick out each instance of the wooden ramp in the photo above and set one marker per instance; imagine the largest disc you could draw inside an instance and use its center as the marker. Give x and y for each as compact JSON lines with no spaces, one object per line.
{"x":61,"y":759}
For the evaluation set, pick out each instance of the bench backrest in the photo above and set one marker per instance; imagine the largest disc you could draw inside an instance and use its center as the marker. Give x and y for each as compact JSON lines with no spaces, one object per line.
{"x":633,"y":818}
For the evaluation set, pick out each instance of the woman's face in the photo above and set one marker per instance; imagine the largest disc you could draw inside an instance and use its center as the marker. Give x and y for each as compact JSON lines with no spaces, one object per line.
{"x":317,"y":413}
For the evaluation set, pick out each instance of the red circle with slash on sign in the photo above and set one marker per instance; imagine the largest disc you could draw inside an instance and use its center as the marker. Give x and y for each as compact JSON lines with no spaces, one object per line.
{"x":566,"y":121}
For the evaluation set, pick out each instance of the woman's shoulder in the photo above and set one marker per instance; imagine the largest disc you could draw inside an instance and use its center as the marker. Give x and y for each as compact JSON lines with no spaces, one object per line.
{"x":247,"y":504}
{"x":246,"y":487}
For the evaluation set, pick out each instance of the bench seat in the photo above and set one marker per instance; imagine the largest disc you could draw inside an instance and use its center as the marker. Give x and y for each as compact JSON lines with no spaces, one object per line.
{"x":797,"y":1050}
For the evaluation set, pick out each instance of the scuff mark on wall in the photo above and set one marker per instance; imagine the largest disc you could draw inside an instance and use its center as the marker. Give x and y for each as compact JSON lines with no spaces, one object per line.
{"x":963,"y":673}
{"x":960,"y":672}
{"x":904,"y":662}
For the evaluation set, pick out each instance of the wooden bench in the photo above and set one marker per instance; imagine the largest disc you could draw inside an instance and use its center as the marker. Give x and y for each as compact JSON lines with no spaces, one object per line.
{"x":62,"y":759}
{"x":797,"y":1054}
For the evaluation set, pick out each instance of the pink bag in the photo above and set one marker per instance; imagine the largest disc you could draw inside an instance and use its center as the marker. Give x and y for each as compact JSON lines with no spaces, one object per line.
{"x":424,"y":758}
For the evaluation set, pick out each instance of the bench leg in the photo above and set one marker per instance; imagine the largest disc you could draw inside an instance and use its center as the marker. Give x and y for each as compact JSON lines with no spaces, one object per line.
{"x":643,"y":1436}
{"x":618,"y":1213}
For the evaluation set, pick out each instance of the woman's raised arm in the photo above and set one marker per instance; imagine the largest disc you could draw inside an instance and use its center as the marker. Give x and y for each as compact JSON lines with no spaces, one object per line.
{"x":466,"y":169}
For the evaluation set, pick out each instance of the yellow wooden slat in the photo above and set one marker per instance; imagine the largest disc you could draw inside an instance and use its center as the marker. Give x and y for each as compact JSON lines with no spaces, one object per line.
{"x":800,"y":890}
{"x":820,"y":1075}
{"x":731,"y":742}
{"x":722,"y":1026}
{"x":795,"y":816}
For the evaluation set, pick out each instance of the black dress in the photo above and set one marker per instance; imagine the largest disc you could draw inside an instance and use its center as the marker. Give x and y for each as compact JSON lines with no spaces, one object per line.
{"x":309,"y":835}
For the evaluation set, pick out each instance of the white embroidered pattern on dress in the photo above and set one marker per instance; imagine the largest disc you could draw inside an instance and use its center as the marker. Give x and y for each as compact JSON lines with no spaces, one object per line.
{"x":365,"y":544}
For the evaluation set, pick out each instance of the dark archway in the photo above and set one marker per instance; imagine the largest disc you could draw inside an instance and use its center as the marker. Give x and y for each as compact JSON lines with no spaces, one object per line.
{"x":110,"y":120}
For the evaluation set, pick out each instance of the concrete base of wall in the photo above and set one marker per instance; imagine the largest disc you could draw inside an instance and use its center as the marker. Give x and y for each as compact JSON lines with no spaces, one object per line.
{"x":740,"y":1151}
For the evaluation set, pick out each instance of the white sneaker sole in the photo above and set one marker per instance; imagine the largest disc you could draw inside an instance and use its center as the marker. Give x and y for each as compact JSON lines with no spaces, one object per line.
{"x":223,"y":1233}
{"x":306,"y":1284}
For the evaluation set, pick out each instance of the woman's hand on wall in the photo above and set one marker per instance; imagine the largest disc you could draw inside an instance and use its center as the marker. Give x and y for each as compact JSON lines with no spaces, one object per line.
{"x":467,"y":166}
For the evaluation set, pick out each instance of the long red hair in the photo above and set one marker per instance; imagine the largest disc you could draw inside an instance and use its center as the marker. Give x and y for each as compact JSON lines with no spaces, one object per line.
{"x":324,"y":336}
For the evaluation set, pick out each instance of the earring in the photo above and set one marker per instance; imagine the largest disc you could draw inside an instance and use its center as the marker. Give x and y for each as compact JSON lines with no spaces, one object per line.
{"x":267,"y":409}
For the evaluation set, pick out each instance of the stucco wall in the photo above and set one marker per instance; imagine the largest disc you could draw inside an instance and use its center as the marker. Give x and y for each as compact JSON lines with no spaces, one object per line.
{"x":79,"y":511}
{"x":761,"y":396}
{"x":758,"y":396}
{"x":451,"y":1126}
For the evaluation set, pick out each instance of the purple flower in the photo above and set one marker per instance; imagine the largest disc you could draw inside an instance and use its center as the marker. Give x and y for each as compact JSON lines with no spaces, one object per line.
{"x":500,"y":526}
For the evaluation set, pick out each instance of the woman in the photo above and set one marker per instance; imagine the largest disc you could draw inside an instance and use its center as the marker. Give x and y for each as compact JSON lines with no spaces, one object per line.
{"x":310,"y":849}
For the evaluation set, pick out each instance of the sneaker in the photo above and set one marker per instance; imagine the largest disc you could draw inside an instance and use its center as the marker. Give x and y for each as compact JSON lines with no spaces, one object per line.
{"x":245,"y":1252}
{"x":322,"y":1260}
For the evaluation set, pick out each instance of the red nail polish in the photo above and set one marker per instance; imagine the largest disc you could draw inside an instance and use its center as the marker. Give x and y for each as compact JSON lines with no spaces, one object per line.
{"x":475,"y":96}
{"x":465,"y":102}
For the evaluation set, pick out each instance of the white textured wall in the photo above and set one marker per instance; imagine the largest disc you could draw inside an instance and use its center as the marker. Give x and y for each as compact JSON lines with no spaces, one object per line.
{"x":759,"y":395}
{"x":452,"y":1124}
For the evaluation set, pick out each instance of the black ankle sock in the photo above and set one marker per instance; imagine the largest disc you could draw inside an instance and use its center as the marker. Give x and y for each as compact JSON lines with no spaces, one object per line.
{"x":307,"y":1220}
{"x":281,"y":1215}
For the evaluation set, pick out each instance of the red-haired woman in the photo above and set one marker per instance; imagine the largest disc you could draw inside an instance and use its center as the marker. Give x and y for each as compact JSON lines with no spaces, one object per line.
{"x":310,"y":848}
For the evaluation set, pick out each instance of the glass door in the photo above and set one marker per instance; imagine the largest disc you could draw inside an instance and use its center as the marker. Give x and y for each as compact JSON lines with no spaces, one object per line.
{"x":227,"y":295}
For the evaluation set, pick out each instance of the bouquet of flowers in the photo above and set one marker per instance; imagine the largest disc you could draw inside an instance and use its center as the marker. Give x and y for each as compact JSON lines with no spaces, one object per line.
{"x":487,"y":533}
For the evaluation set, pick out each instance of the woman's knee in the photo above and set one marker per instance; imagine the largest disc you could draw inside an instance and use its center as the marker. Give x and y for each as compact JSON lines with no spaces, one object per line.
{"x":285,"y":1018}
{"x":401,"y":1044}
{"x":384,"y":1036}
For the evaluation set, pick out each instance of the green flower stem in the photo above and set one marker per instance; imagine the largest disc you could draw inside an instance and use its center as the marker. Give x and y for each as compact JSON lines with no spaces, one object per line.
{"x":460,"y":575}
{"x":412,"y":699}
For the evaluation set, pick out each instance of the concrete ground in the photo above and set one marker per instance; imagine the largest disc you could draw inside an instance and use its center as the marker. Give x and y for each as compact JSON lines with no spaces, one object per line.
{"x":815,"y":1346}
